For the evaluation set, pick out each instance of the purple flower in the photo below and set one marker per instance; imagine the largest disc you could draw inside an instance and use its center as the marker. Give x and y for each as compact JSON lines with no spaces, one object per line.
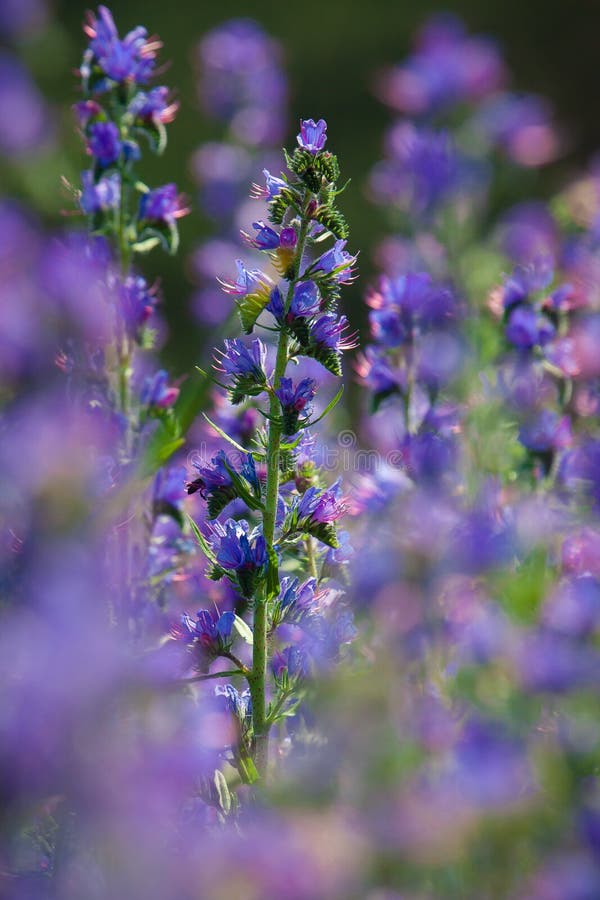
{"x":527,"y":328}
{"x":163,"y":205}
{"x":248,"y":281}
{"x":219,"y":482}
{"x":424,"y":171}
{"x":313,"y":135}
{"x":549,"y":662}
{"x":321,"y":507}
{"x":574,"y":607}
{"x":132,"y":58}
{"x":154,"y":106}
{"x":242,"y":82}
{"x":239,"y":705}
{"x":295,"y":400}
{"x":169,"y":489}
{"x":209,"y":636}
{"x":295,"y":600}
{"x":378,"y":374}
{"x":328,"y":331}
{"x":137,"y":302}
{"x":547,"y":433}
{"x":240,"y":553}
{"x":447,"y":68}
{"x":521,"y":125}
{"x":527,"y":280}
{"x":25,"y":121}
{"x":239,"y":360}
{"x":104,"y":143}
{"x":337,"y":262}
{"x":306,"y":301}
{"x":292,"y":660}
{"x":102,"y":195}
{"x":266,"y":237}
{"x":156,"y":392}
{"x":273,"y":186}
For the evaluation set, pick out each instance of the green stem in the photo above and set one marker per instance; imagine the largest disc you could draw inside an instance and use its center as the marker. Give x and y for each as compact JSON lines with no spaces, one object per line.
{"x":312,"y":560}
{"x":257,"y":680}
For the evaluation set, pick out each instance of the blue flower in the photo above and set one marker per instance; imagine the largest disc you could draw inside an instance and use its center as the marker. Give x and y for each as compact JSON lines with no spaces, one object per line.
{"x":306,"y":301}
{"x":154,"y":106}
{"x":163,"y":205}
{"x":328,"y":331}
{"x":156,"y":392}
{"x":338,"y":261}
{"x":273,"y":187}
{"x":266,"y":237}
{"x":242,"y":554}
{"x":245,"y":366}
{"x":248,"y":281}
{"x":527,"y":328}
{"x":218,"y":482}
{"x":137,"y":303}
{"x":104,"y":143}
{"x":130,"y":59}
{"x":209,"y":635}
{"x":100,"y":196}
{"x":313,"y":135}
{"x":241,"y":360}
{"x":295,"y":400}
{"x":291,"y":660}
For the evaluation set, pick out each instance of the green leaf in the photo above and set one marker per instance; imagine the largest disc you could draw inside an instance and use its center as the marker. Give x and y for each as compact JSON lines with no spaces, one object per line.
{"x":146,"y":245}
{"x":244,"y":630}
{"x":204,"y":545}
{"x":330,"y":406}
{"x":225,"y":436}
{"x":250,"y":307}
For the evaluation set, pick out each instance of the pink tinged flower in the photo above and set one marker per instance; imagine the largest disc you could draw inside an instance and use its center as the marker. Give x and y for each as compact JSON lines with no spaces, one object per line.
{"x":163,"y":204}
{"x":249,"y":281}
{"x":273,"y":186}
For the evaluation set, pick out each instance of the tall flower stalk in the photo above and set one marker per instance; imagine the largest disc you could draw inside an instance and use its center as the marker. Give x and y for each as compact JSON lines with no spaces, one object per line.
{"x":296,"y":513}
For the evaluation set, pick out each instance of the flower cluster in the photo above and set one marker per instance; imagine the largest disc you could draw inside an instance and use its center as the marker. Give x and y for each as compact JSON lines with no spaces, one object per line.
{"x":115,"y":114}
{"x":297,"y":515}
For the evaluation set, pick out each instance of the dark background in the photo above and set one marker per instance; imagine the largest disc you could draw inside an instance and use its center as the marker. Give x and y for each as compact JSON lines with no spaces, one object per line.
{"x":332,"y":51}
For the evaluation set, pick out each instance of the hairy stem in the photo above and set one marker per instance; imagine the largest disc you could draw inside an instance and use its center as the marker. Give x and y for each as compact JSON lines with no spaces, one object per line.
{"x":257,"y":680}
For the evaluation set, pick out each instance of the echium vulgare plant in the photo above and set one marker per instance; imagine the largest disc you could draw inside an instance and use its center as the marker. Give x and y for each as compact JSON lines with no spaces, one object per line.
{"x":295,"y":532}
{"x":119,"y":111}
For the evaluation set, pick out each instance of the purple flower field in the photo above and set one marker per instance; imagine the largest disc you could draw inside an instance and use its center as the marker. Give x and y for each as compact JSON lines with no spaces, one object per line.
{"x":318,"y":619}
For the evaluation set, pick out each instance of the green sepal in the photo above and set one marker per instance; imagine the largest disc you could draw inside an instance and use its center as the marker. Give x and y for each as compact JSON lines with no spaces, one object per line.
{"x":146,"y":245}
{"x":205,"y":547}
{"x":332,"y":219}
{"x":250,"y":307}
{"x":280,"y":204}
{"x":166,"y":234}
{"x":327,"y":165}
{"x":329,"y":358}
{"x":302,"y":164}
{"x":326,"y":533}
{"x":156,"y":135}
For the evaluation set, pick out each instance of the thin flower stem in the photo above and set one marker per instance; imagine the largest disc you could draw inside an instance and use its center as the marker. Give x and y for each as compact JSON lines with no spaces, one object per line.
{"x":312,"y":560}
{"x":257,"y":680}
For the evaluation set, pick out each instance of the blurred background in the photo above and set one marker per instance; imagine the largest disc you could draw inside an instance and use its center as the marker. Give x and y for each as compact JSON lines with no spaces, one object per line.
{"x":332,"y":55}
